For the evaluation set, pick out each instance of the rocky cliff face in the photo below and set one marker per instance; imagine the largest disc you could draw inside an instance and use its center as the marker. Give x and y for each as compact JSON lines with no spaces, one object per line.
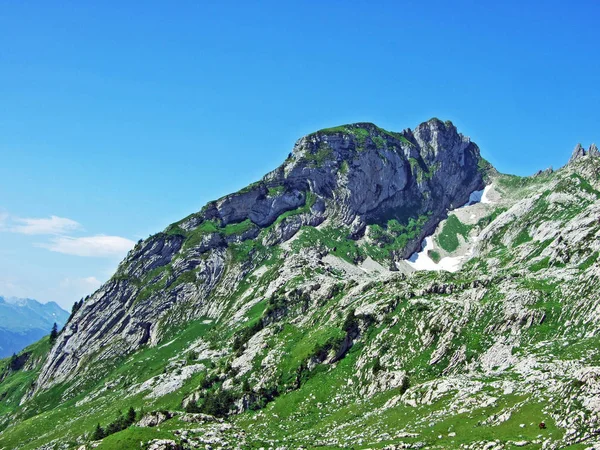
{"x":352,"y":176}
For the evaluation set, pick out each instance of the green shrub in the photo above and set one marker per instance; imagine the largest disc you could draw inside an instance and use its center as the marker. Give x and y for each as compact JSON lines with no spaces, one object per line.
{"x":434,"y":255}
{"x":218,"y":403}
{"x":321,"y":351}
{"x":377,"y":367}
{"x":98,"y":433}
{"x":351,"y":323}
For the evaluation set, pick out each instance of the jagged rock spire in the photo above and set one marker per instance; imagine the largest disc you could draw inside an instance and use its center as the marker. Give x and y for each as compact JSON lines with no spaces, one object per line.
{"x":578,"y":152}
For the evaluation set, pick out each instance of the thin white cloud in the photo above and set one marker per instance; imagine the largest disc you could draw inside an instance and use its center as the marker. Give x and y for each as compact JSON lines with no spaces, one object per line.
{"x":76,"y":288}
{"x":92,"y":246}
{"x":52,"y":225}
{"x":87,"y":282}
{"x":3,"y":220}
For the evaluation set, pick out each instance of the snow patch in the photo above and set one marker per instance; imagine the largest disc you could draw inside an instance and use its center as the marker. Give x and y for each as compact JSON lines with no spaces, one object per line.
{"x":485,"y":195}
{"x":422,"y":261}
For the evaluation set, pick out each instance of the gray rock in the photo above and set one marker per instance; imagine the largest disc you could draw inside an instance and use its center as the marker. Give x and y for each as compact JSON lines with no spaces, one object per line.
{"x":578,"y":152}
{"x":162,"y":444}
{"x":155,"y":418}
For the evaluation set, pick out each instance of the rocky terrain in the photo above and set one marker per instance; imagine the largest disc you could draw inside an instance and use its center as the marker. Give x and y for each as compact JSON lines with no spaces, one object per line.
{"x":377,"y":290}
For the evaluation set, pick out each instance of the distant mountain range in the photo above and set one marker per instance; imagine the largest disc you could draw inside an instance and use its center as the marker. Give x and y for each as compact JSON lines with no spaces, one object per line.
{"x":24,"y":321}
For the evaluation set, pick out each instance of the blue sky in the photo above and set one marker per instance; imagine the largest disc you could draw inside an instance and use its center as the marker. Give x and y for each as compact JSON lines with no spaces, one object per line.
{"x":118,"y":118}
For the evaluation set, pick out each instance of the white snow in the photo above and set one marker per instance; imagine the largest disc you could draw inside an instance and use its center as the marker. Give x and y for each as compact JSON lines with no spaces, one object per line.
{"x":422,"y":261}
{"x":484,"y":196}
{"x":478,"y":197}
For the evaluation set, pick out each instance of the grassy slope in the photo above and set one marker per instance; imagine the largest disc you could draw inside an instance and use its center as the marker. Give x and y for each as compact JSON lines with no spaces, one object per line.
{"x":328,"y":409}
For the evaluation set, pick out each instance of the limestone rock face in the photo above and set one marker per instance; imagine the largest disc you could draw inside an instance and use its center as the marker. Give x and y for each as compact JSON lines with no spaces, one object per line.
{"x":375,"y":175}
{"x":351,"y":176}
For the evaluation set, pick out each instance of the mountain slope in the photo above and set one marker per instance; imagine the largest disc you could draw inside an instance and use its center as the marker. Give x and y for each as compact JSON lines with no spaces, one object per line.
{"x":351,"y":176}
{"x":296,"y":309}
{"x":24,"y":321}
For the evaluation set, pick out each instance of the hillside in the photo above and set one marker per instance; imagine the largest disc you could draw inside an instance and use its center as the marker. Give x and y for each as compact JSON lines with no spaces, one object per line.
{"x":377,"y":290}
{"x":24,"y":321}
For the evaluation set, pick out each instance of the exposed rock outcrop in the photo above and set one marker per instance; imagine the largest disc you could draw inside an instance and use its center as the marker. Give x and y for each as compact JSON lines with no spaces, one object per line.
{"x":579,"y":152}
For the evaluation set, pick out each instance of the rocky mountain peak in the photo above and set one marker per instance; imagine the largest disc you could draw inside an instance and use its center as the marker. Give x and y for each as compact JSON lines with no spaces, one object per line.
{"x":579,"y":152}
{"x":351,"y":177}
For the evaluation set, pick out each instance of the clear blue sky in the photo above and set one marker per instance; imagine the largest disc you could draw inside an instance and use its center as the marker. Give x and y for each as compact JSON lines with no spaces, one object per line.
{"x":119,"y":118}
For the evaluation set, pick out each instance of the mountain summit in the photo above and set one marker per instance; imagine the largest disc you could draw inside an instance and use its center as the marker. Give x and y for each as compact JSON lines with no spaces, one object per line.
{"x":348,"y":177}
{"x":377,"y":290}
{"x":579,"y":152}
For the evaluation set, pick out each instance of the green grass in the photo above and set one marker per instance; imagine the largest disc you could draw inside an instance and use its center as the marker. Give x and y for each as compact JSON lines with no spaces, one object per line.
{"x":521,"y":238}
{"x":414,"y":164}
{"x":276,"y":191}
{"x":299,"y":344}
{"x":435,"y":256}
{"x":334,"y":240}
{"x":448,"y":237}
{"x":237,"y":228}
{"x":195,"y":236}
{"x":420,"y":170}
{"x":323,"y":154}
{"x":39,"y":421}
{"x":361,"y":136}
{"x":589,"y":262}
{"x":378,"y":141}
{"x":379,"y":138}
{"x":330,"y":407}
{"x":541,"y":264}
{"x":393,"y":237}
{"x":344,"y":167}
{"x":130,"y":438}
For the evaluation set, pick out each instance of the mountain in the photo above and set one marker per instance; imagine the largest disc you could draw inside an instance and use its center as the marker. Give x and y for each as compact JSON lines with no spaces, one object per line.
{"x":24,"y":321}
{"x":377,"y":290}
